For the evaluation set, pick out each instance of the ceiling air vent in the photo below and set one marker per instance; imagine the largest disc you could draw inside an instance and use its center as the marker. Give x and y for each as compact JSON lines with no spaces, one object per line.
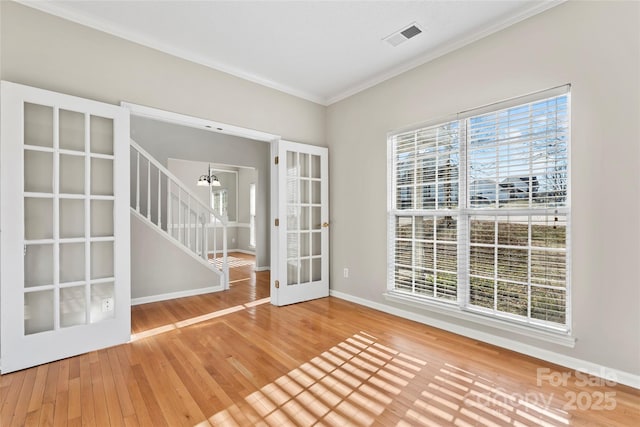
{"x":403,"y":35}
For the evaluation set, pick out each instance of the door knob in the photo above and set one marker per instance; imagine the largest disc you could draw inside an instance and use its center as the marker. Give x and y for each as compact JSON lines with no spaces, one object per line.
{"x":325,"y":224}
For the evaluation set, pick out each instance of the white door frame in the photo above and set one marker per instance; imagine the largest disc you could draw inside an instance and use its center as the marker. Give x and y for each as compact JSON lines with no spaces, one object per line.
{"x":217,"y":127}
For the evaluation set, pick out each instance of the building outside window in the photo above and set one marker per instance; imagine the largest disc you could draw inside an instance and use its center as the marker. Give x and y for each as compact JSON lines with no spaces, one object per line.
{"x":479,"y":212}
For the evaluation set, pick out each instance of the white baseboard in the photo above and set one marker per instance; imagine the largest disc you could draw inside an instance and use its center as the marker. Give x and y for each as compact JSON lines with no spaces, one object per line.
{"x":616,"y":375}
{"x":263,"y":268}
{"x":173,"y":295}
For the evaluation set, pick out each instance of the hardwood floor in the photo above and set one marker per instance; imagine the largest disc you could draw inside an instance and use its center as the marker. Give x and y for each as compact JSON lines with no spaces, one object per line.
{"x":232,"y":359}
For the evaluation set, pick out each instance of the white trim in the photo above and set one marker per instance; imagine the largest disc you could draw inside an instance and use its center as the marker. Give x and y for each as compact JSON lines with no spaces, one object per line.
{"x":263,"y":268}
{"x":196,"y":122}
{"x":444,"y":49}
{"x":174,"y":295}
{"x":453,"y":310}
{"x":326,"y":100}
{"x":617,"y":375}
{"x":107,"y":27}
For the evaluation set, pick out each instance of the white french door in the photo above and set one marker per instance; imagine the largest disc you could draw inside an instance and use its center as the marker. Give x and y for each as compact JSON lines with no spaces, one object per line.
{"x":64,"y":222}
{"x":301,"y":252}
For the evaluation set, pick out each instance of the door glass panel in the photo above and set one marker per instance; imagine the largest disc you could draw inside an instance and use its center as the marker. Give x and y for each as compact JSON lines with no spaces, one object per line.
{"x":71,"y":218}
{"x":304,"y":219}
{"x":71,"y":174}
{"x":101,"y":218}
{"x":292,"y":163}
{"x":293,"y":217}
{"x":292,"y":272}
{"x":101,"y":135}
{"x":38,"y":125}
{"x":72,"y":267}
{"x":316,"y":269}
{"x":38,"y":265}
{"x":102,"y":301}
{"x":304,"y":244}
{"x":304,"y":191}
{"x":102,"y":177}
{"x":304,"y":164}
{"x":71,"y":130}
{"x":293,"y":194}
{"x":315,"y":217}
{"x":38,"y":312}
{"x":315,"y":166}
{"x":38,"y":218}
{"x":315,"y":192}
{"x":73,"y":306}
{"x":101,"y":260}
{"x":38,"y":171}
{"x":305,"y":270}
{"x":316,"y":243}
{"x":292,"y":245}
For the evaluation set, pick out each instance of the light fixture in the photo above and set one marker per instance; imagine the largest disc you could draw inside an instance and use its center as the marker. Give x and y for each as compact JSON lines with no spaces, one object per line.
{"x":209,"y":180}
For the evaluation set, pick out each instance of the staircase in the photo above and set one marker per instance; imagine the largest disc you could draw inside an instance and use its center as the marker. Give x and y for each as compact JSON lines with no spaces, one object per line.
{"x":164,"y":203}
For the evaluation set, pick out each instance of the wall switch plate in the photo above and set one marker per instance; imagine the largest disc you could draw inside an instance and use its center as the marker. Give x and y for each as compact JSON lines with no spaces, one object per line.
{"x":345,"y":273}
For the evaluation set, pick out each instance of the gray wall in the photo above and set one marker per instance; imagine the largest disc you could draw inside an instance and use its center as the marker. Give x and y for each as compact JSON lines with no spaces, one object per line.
{"x":166,"y":141}
{"x":48,"y":52}
{"x":166,"y":267}
{"x":595,"y":46}
{"x":45,"y":51}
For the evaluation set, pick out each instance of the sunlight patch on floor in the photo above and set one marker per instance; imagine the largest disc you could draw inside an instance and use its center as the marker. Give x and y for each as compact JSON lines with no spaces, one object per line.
{"x":232,"y":261}
{"x":352,"y":383}
{"x":197,"y":319}
{"x":458,"y":397}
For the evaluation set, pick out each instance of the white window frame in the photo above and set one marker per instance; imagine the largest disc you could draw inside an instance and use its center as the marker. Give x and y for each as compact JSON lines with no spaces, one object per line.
{"x":220,"y":201}
{"x":460,"y":307}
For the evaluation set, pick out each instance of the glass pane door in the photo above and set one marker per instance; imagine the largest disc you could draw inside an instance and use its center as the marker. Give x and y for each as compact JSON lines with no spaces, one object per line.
{"x":62,"y":203}
{"x":303,"y":202}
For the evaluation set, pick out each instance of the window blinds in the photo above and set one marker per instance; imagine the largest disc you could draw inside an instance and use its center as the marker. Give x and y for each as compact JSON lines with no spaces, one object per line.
{"x":498,"y":244}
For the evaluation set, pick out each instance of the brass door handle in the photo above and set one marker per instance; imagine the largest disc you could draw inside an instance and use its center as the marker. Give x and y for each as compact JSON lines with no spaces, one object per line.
{"x":325,"y":224}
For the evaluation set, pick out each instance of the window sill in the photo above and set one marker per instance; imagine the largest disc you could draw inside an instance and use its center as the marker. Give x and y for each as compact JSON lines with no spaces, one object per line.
{"x":556,"y":337}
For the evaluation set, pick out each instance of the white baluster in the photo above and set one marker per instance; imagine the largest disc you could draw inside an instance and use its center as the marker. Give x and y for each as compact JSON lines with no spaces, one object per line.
{"x":137,"y":181}
{"x":149,"y":189}
{"x":159,"y":199}
{"x":169,"y":208}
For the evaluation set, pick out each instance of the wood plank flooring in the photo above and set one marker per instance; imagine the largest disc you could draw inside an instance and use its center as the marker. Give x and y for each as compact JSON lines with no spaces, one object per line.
{"x":326,"y":362}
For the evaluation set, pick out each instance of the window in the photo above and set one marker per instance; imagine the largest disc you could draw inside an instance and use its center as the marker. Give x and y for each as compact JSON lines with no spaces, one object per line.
{"x":220,"y":201}
{"x":479,"y":211}
{"x":252,"y":215}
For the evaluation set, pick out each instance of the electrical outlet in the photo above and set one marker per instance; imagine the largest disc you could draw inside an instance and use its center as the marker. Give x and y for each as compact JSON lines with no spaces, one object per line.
{"x":107,"y":305}
{"x":345,"y":273}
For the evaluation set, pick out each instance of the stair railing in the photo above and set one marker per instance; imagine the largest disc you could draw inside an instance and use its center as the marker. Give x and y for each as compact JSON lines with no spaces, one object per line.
{"x":161,"y":199}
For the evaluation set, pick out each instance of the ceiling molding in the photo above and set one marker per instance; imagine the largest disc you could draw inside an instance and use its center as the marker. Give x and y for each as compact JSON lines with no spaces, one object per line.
{"x":443,"y":50}
{"x":55,"y":9}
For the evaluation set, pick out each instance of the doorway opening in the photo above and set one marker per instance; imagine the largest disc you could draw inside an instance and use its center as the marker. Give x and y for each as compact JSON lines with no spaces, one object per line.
{"x":240,"y":160}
